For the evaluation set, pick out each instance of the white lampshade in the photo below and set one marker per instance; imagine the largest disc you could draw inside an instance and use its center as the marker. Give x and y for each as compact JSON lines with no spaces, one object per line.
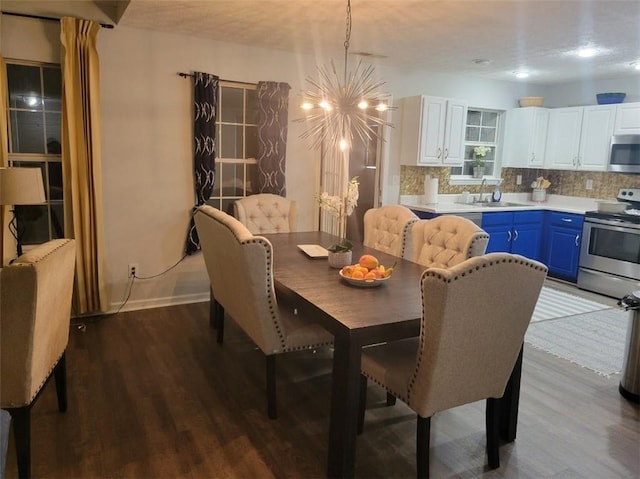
{"x":21,"y":186}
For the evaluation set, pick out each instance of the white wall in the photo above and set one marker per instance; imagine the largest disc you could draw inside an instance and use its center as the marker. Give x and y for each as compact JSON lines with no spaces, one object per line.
{"x":146,"y":139}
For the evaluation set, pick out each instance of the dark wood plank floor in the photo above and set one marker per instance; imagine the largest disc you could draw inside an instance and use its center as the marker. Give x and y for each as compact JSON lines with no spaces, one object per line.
{"x":151,"y":395}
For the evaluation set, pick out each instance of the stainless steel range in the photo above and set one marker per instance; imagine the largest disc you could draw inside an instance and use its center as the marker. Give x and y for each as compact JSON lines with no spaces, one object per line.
{"x":610,"y":252}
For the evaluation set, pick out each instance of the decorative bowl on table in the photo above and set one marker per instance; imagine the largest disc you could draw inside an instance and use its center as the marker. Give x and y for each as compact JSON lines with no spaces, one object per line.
{"x":610,"y":98}
{"x":363,"y":283}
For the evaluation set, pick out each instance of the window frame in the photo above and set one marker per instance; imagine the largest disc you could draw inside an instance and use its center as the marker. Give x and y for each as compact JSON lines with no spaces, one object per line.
{"x":497,"y":145}
{"x":247,"y":164}
{"x":45,"y":160}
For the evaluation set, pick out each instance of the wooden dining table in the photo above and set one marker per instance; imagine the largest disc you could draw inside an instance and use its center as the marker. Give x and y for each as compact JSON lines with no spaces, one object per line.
{"x":357,"y":317}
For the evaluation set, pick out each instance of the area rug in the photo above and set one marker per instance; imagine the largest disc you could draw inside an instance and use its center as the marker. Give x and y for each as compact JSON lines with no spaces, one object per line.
{"x":594,"y":340}
{"x":557,"y":304}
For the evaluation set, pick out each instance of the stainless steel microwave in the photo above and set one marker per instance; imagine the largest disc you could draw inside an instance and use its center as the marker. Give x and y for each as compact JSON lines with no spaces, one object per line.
{"x":625,"y":154}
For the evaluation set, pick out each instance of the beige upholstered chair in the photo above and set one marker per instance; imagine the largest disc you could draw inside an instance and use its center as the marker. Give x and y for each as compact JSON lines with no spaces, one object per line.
{"x":267,"y":213}
{"x":35,"y":309}
{"x":474,"y":318}
{"x":240,"y":268}
{"x":445,"y":241}
{"x":387,"y":228}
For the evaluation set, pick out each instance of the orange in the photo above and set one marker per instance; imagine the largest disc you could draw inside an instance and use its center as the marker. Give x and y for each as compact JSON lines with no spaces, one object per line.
{"x":368,"y":261}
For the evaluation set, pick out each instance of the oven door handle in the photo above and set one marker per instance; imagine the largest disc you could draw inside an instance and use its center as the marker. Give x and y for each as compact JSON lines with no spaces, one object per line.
{"x":612,"y":225}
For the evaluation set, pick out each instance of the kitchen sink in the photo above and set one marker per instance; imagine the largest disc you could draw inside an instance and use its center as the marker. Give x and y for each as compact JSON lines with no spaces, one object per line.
{"x":499,"y":204}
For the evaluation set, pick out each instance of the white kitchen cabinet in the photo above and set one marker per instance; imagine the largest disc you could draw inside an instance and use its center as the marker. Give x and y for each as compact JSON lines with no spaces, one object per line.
{"x":627,"y":119}
{"x":525,"y":137}
{"x":433,"y":131}
{"x":579,"y":138}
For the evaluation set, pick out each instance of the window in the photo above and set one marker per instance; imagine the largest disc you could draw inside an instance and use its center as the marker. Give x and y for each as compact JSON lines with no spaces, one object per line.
{"x":481,"y":130}
{"x":34,"y":112}
{"x":237,"y":144}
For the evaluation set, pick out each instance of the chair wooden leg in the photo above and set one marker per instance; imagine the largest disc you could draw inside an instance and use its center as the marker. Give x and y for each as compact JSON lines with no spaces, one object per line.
{"x":423,"y":434}
{"x":493,"y":432}
{"x":213,"y":320}
{"x":362,"y":403}
{"x":60,"y":376}
{"x":391,"y":399}
{"x":272,"y":409}
{"x":21,"y":418}
{"x":220,"y":322}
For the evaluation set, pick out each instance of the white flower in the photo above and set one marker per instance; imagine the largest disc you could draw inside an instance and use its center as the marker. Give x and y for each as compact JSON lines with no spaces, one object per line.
{"x":338,"y":206}
{"x":481,"y":150}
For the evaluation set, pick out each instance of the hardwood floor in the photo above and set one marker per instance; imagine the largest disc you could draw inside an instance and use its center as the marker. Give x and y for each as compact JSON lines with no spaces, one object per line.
{"x":152,"y":395}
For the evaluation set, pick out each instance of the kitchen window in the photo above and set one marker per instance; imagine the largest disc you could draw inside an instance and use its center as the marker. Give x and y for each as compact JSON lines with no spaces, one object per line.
{"x":34,"y":113}
{"x":482,"y":129}
{"x":237,"y":144}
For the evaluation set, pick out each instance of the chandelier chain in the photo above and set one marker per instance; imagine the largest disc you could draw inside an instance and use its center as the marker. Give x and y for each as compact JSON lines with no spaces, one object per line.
{"x":347,"y":37}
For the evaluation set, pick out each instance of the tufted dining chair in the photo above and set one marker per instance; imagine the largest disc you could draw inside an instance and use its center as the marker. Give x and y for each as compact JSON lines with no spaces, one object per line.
{"x":35,"y":311}
{"x":470,"y":339}
{"x":267,"y":213}
{"x":240,"y":269}
{"x":445,"y":241}
{"x":387,"y":228}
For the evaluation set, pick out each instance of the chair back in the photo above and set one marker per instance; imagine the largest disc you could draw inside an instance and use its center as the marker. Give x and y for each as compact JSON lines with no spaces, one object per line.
{"x":35,"y":311}
{"x":474,"y":319}
{"x":387,"y":228}
{"x":267,"y":213}
{"x":445,"y":241}
{"x":240,"y":269}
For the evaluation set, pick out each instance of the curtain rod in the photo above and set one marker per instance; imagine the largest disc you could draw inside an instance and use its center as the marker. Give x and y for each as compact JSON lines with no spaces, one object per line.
{"x":190,"y":75}
{"x":51,"y":19}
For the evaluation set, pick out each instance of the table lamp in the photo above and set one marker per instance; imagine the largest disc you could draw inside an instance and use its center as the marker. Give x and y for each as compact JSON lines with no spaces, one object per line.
{"x":20,"y":186}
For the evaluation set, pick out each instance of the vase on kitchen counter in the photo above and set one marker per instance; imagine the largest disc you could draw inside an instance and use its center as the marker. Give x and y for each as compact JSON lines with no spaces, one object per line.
{"x":478,"y":171}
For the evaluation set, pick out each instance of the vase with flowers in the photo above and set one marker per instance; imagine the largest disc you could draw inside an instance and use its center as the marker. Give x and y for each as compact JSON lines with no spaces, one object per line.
{"x":479,"y":160}
{"x":341,"y":207}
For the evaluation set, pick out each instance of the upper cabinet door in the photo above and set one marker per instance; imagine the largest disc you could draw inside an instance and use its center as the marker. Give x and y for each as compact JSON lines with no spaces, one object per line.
{"x":627,"y":119}
{"x":434,"y":114}
{"x":432,"y":131}
{"x":563,"y":139}
{"x":595,"y":138}
{"x":455,"y":125}
{"x":526,"y":137}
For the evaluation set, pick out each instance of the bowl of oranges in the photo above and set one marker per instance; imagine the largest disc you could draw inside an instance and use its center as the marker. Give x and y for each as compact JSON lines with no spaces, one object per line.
{"x":366,"y":273}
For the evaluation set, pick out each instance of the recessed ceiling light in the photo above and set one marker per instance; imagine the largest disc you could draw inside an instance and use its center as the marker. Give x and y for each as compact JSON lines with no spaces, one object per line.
{"x":521,"y":74}
{"x":481,"y":61}
{"x":587,"y":52}
{"x":635,"y":65}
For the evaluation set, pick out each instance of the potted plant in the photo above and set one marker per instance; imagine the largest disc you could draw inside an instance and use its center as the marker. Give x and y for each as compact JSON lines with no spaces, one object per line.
{"x":479,"y":162}
{"x":341,"y":207}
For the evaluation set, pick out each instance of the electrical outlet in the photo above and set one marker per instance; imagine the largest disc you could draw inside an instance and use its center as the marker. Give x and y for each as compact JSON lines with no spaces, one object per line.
{"x":132,"y":270}
{"x":589,"y":184}
{"x":518,"y":179}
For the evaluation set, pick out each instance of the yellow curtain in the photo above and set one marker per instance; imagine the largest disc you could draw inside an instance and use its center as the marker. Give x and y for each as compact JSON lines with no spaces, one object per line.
{"x":81,"y":162}
{"x":4,"y":161}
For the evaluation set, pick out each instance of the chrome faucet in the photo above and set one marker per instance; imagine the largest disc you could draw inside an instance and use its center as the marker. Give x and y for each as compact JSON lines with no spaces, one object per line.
{"x":484,"y":182}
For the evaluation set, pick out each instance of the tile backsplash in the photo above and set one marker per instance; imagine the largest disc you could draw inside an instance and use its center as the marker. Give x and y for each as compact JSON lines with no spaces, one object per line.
{"x":563,"y":182}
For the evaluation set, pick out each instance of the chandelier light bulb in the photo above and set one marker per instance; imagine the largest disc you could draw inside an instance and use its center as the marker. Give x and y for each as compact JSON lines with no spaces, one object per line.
{"x":382,"y":107}
{"x":306,"y":105}
{"x":363,"y":105}
{"x":343,"y":144}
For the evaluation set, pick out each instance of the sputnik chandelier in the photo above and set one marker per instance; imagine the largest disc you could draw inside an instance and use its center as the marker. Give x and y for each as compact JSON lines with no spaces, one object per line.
{"x":336,"y":110}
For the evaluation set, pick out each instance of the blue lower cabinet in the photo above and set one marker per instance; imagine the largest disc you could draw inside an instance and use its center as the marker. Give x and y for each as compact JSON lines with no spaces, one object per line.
{"x":562,"y":244}
{"x":518,"y":232}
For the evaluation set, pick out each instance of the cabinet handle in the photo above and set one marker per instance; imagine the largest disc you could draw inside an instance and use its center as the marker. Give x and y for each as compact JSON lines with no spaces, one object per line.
{"x":446,"y":153}
{"x":515,"y":235}
{"x":567,"y":220}
{"x":439,"y":153}
{"x":577,"y":240}
{"x":509,"y":236}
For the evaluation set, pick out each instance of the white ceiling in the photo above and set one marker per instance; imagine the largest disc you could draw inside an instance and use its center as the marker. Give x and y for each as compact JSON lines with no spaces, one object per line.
{"x":441,"y":36}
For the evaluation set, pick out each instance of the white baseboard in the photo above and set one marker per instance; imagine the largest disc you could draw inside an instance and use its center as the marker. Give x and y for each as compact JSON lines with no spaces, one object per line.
{"x":159,"y":302}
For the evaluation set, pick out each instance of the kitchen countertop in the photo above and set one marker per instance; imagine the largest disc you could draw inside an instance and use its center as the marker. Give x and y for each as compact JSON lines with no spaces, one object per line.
{"x":448,"y":204}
